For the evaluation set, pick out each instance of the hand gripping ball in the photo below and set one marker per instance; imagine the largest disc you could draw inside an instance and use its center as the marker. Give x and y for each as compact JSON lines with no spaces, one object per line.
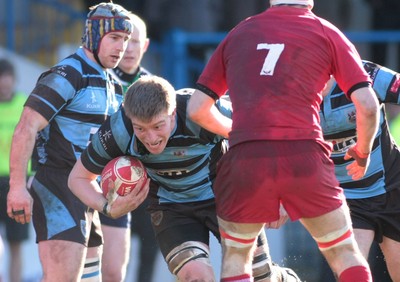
{"x":121,"y":175}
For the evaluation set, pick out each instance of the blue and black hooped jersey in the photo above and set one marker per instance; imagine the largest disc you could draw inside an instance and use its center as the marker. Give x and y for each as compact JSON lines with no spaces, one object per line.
{"x":76,"y":96}
{"x":338,"y":121}
{"x":183,"y":172}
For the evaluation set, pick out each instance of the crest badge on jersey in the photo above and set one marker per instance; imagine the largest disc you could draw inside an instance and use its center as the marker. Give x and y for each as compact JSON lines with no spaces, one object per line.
{"x":156,"y":217}
{"x":83,"y":228}
{"x":351,"y":117}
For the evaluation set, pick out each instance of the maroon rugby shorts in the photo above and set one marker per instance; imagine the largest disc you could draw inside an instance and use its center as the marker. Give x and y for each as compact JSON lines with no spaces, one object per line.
{"x":253,"y":178}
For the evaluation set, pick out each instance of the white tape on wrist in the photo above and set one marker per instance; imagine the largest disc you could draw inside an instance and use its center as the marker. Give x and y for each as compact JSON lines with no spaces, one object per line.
{"x":106,"y":209}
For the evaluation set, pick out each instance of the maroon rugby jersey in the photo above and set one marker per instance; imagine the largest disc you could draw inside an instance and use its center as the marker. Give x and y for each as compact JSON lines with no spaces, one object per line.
{"x":275,"y":65}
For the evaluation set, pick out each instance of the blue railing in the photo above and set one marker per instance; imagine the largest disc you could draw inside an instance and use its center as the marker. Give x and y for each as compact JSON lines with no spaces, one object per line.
{"x":384,"y":36}
{"x":33,"y":26}
{"x":176,"y":63}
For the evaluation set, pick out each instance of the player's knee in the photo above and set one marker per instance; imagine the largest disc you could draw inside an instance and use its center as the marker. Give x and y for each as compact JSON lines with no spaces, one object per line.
{"x":196,"y":270}
{"x":341,"y":237}
{"x":112,"y":274}
{"x":91,"y":270}
{"x":185,"y":253}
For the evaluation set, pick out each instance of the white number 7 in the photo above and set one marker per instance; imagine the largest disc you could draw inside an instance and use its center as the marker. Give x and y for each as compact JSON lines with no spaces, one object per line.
{"x":275,"y":50}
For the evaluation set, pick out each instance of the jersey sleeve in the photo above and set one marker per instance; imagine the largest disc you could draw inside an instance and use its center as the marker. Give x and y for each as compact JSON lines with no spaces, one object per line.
{"x":346,"y":65}
{"x":386,"y":82}
{"x":53,"y":90}
{"x":111,"y":140}
{"x":213,"y":77}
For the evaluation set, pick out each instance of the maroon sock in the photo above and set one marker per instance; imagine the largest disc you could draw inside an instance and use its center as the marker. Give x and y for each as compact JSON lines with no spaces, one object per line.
{"x":240,"y":278}
{"x":357,"y":273}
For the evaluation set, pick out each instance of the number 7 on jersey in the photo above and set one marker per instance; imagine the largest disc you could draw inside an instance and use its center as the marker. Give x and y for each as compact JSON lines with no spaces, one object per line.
{"x":275,"y":50}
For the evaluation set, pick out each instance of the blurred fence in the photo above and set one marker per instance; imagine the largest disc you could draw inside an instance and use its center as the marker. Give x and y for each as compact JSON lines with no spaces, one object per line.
{"x":37,"y":28}
{"x":176,"y":63}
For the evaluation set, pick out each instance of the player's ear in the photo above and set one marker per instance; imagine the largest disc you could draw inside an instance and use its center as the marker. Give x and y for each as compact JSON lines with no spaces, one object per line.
{"x":173,"y":114}
{"x":146,"y":45}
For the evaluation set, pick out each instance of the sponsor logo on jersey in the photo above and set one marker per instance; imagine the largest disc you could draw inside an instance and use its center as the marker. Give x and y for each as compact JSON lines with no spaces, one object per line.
{"x":61,"y":71}
{"x":103,"y":137}
{"x":93,"y":102}
{"x":180,"y":153}
{"x":171,"y":172}
{"x":343,"y":144}
{"x":93,"y":97}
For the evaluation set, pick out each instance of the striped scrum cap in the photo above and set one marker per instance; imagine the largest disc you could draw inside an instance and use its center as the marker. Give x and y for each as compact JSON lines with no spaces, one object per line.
{"x":102,"y":19}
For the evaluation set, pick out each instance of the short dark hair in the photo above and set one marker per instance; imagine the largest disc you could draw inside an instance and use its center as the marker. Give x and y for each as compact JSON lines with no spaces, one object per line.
{"x":6,"y":67}
{"x":148,"y":97}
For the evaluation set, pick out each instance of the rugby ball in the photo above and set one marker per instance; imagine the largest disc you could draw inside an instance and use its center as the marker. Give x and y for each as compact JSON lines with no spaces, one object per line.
{"x":121,"y":175}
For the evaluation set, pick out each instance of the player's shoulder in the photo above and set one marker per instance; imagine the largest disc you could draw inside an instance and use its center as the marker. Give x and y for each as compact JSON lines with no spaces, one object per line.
{"x":69,"y":68}
{"x":77,"y":65}
{"x":120,"y":121}
{"x":182,"y":97}
{"x":143,"y":71}
{"x":371,"y":68}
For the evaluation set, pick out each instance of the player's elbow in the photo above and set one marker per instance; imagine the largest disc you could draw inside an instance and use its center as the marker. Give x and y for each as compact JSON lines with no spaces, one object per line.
{"x":75,"y":177}
{"x":194,"y":111}
{"x":370,"y":108}
{"x":194,"y":114}
{"x":71,"y":182}
{"x":366,"y":103}
{"x":199,"y":106}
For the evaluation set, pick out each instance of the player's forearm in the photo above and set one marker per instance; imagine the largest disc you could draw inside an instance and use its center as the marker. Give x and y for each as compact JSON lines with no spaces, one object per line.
{"x":84,"y":185}
{"x":21,"y":151}
{"x":367,"y":117}
{"x":201,"y":109}
{"x":366,"y":131}
{"x":215,"y":122}
{"x":87,"y":191}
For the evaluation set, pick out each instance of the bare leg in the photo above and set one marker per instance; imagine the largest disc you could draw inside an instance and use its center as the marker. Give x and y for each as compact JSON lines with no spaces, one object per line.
{"x":16,"y":261}
{"x":391,"y":251}
{"x":364,"y":240}
{"x":117,"y":243}
{"x":340,"y":257}
{"x":61,"y":260}
{"x":237,"y":257}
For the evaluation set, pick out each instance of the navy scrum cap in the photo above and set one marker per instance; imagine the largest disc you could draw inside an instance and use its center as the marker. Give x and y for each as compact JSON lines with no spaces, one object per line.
{"x":102,"y":19}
